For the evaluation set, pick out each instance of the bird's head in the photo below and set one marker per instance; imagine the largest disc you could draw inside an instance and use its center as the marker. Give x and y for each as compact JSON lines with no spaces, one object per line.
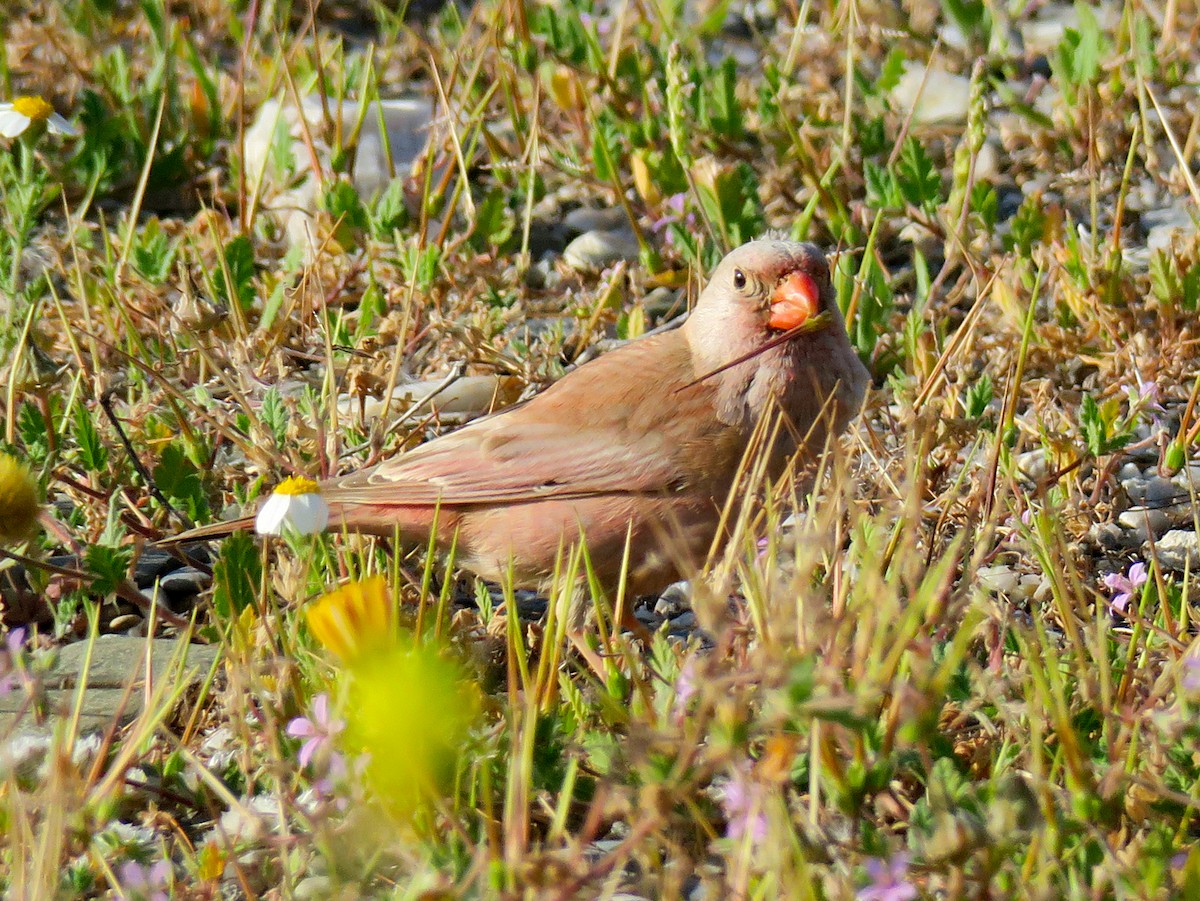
{"x":778,"y":285}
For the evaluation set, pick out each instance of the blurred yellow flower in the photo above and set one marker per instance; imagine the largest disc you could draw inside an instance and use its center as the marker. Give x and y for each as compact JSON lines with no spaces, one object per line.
{"x":410,"y":710}
{"x":18,"y":499}
{"x":356,"y":619}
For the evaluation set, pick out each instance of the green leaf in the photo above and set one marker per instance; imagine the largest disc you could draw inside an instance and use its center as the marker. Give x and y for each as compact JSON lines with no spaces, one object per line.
{"x":109,"y":565}
{"x":179,"y":480}
{"x":968,"y":15}
{"x":883,"y":192}
{"x":239,"y":261}
{"x":724,"y":110}
{"x":494,"y":221}
{"x":1028,"y":227}
{"x":1085,"y":62}
{"x":153,"y":254}
{"x":92,"y":452}
{"x":979,"y":396}
{"x":890,"y":72}
{"x":236,"y":575}
{"x":606,"y":147}
{"x":391,"y":210}
{"x":274,"y":416}
{"x":918,"y":177}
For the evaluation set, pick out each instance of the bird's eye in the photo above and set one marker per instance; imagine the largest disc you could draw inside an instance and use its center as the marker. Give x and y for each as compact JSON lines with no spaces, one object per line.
{"x":739,"y":279}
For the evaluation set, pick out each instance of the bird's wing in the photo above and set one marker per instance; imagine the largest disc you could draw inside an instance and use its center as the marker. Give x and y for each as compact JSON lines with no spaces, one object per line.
{"x":583,"y":436}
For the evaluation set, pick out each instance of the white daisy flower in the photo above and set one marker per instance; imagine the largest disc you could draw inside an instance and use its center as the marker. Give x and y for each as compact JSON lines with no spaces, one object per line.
{"x":17,"y":115}
{"x":295,"y":505}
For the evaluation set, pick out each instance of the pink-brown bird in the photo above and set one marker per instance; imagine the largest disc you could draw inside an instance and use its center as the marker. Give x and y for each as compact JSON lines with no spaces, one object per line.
{"x":641,"y":445}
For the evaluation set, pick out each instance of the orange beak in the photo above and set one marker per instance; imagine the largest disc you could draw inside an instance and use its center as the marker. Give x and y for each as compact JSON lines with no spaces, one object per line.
{"x":796,"y":300}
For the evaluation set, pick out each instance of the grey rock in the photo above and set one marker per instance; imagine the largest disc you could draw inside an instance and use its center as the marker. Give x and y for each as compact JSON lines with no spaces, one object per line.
{"x":152,"y":564}
{"x":1128,"y":473}
{"x":116,"y":662}
{"x":1111,"y":537}
{"x":1178,"y":550}
{"x":596,"y":250}
{"x":674,"y":599}
{"x":1145,"y":520}
{"x":685,"y":621}
{"x":1153,"y":492}
{"x":648,"y":618}
{"x":317,"y":888}
{"x":586,"y":219}
{"x":530,"y":605}
{"x":185,"y":581}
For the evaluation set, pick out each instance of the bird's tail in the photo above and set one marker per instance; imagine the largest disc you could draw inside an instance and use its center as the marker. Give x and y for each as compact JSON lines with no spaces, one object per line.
{"x":210,"y":532}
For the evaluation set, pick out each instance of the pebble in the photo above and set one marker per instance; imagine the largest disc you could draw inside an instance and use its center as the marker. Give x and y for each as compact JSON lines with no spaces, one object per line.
{"x":1000,"y":578}
{"x":1154,"y":491}
{"x":684,"y":622}
{"x":674,"y":599}
{"x":596,"y":250}
{"x":1163,"y":226}
{"x":115,"y":661}
{"x":471,"y":394}
{"x":1033,"y":464}
{"x":939,"y":96}
{"x":1128,"y":473}
{"x":1145,"y":520}
{"x":186,"y":580}
{"x":152,"y":564}
{"x":530,"y":605}
{"x":1178,"y":550}
{"x":586,"y":219}
{"x":1111,"y":537}
{"x":1045,"y":32}
{"x":125,"y":623}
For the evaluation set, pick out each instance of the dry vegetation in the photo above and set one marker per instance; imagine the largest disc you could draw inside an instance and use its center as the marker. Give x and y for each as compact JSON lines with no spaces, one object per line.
{"x":962,"y":668}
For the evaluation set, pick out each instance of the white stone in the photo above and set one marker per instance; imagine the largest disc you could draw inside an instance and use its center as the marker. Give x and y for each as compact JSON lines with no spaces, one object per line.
{"x":1178,"y":550}
{"x":940,"y":97}
{"x":1144,"y":520}
{"x":596,"y":250}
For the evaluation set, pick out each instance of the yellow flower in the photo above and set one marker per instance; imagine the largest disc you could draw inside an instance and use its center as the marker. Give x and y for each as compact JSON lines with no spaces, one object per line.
{"x":354,"y":620}
{"x":20,"y":113}
{"x":18,"y":499}
{"x":410,"y":711}
{"x":295,"y":504}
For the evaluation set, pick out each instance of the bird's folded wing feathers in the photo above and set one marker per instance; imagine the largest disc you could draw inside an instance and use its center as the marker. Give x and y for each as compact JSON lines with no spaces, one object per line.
{"x":508,"y":463}
{"x":577,"y":438}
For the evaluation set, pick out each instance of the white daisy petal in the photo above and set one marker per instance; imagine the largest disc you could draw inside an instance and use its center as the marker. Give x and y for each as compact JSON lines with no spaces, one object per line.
{"x":61,"y":126}
{"x":305,"y":514}
{"x":271,"y":516}
{"x":310,"y":514}
{"x":12,"y":123}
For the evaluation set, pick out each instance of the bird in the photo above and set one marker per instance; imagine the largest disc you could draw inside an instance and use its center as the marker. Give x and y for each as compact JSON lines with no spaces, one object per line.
{"x":639,"y":447}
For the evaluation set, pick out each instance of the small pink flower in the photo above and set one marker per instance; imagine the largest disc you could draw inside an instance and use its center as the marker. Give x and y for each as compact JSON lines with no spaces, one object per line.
{"x":1125,"y":585}
{"x":685,"y":688}
{"x":318,"y":732}
{"x":146,"y":883}
{"x":9,"y":668}
{"x":1146,"y":395}
{"x":889,"y":880}
{"x":743,"y":806}
{"x":1190,"y":680}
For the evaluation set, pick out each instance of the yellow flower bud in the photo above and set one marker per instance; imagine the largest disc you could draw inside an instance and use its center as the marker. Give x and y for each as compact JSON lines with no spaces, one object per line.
{"x":18,"y":499}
